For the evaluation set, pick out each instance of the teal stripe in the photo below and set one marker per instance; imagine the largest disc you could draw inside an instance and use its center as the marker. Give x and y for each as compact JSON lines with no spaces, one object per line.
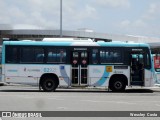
{"x":103,"y":79}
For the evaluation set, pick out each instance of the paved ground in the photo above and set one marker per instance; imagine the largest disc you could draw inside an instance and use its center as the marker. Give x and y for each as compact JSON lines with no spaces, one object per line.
{"x":26,"y":98}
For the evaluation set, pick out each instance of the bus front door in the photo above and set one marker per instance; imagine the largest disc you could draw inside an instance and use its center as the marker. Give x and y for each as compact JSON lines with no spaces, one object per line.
{"x":79,"y":68}
{"x":137,"y":69}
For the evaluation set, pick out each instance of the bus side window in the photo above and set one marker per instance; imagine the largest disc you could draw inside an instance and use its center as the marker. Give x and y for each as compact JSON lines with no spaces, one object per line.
{"x":39,"y":53}
{"x":61,"y":55}
{"x":111,"y":56}
{"x":51,"y":56}
{"x":95,"y":56}
{"x":56,"y":56}
{"x":11,"y":54}
{"x":32,"y":55}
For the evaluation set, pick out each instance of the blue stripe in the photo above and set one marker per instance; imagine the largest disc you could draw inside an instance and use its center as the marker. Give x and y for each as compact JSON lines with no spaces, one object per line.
{"x":64,"y":74}
{"x":103,"y":79}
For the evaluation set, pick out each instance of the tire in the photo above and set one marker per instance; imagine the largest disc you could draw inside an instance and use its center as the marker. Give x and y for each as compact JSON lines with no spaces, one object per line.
{"x":49,"y":84}
{"x":117,"y":85}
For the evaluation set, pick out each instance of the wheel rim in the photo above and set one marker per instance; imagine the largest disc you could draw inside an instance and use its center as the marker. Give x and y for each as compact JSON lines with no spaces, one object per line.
{"x":49,"y":84}
{"x":118,"y":85}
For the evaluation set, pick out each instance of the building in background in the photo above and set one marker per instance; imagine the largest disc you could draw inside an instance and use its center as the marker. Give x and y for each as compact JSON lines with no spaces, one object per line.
{"x":7,"y":31}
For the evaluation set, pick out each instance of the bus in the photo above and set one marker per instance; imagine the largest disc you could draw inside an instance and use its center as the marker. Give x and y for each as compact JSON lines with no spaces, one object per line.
{"x":156,"y":62}
{"x":77,"y":63}
{"x":1,"y":83}
{"x":155,"y":51}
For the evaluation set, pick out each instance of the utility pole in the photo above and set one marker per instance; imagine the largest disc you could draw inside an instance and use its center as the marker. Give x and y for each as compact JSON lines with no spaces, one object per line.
{"x":61,"y":18}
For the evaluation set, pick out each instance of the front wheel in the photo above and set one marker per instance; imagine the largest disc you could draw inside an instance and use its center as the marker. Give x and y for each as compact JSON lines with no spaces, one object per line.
{"x":117,"y":85}
{"x":49,"y":84}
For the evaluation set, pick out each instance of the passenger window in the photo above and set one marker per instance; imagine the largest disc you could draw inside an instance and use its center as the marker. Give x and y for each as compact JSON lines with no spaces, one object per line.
{"x":95,"y":56}
{"x":61,"y":55}
{"x":11,"y":54}
{"x":111,"y":56}
{"x":56,"y":56}
{"x":32,"y":55}
{"x":51,"y":56}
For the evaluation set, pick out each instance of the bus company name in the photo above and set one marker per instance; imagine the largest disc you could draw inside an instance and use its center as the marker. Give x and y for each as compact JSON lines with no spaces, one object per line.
{"x":80,"y":48}
{"x":118,"y":72}
{"x":31,"y":70}
{"x":137,"y":50}
{"x":12,"y":70}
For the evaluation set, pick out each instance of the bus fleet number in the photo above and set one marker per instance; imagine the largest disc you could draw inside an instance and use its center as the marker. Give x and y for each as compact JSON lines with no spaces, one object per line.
{"x":49,"y":70}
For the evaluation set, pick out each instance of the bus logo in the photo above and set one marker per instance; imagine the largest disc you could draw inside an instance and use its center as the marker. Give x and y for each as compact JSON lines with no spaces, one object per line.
{"x":6,"y":114}
{"x":109,"y":68}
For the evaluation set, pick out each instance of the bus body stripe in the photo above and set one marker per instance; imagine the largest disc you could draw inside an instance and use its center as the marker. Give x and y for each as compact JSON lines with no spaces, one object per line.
{"x":64,"y":74}
{"x":103,"y":79}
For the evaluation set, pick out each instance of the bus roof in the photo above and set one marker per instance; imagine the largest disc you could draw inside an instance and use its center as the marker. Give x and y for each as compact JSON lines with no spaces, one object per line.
{"x":44,"y":43}
{"x":67,"y":40}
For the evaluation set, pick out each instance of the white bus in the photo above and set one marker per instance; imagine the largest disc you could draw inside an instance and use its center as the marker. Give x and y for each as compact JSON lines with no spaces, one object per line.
{"x":156,"y":62}
{"x":155,"y":51}
{"x":1,"y":83}
{"x":67,"y":63}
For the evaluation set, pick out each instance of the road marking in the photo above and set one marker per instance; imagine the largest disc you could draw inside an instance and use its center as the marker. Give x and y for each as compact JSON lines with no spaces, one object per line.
{"x":95,"y":101}
{"x":55,"y":99}
{"x":120,"y":102}
{"x":129,"y":103}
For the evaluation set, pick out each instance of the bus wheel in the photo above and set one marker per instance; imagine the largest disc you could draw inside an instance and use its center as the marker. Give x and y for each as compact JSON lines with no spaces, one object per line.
{"x":49,"y":84}
{"x":117,"y":85}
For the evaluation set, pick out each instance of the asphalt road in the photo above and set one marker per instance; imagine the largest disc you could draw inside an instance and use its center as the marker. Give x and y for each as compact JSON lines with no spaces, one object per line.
{"x":26,"y":98}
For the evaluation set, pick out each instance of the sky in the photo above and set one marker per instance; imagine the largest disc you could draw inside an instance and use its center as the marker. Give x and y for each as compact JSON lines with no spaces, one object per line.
{"x":126,"y":17}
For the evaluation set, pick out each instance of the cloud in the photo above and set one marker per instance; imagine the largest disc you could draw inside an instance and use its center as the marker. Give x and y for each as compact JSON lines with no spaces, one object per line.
{"x":76,"y":15}
{"x":153,"y":8}
{"x":125,"y":23}
{"x":45,"y":13}
{"x":113,"y":3}
{"x":145,"y":24}
{"x":152,"y":12}
{"x":85,"y":13}
{"x":133,"y":27}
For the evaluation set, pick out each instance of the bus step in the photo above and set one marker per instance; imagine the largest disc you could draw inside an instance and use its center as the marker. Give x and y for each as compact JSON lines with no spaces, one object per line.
{"x":141,"y":83}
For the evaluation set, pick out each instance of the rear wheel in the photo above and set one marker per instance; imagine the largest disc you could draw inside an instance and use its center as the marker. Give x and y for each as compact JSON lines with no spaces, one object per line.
{"x":117,"y":85}
{"x":49,"y":84}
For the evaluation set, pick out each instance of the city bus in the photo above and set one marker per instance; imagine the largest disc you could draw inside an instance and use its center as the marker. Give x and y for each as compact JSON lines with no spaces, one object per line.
{"x":156,"y":62}
{"x":77,"y":63}
{"x":1,"y":83}
{"x":155,"y":51}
